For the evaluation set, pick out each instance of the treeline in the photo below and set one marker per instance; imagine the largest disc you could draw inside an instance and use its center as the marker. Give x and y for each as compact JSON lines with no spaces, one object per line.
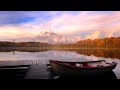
{"x":100,"y":43}
{"x":23,"y":44}
{"x":6,"y":44}
{"x":113,"y":42}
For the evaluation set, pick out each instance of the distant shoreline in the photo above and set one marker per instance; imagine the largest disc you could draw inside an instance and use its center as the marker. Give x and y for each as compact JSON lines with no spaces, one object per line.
{"x":50,"y":48}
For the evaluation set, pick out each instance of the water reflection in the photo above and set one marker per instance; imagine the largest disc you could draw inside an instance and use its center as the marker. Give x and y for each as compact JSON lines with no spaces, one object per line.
{"x":13,"y":52}
{"x":108,"y":75}
{"x":107,"y":53}
{"x":65,"y":55}
{"x":22,"y":49}
{"x":72,"y":55}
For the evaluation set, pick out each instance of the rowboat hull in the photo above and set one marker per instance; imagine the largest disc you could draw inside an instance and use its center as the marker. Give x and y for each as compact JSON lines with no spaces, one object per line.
{"x":63,"y":70}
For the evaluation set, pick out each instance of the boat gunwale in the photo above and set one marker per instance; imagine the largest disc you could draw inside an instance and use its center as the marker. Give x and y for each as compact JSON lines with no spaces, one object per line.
{"x":80,"y":62}
{"x":98,"y":67}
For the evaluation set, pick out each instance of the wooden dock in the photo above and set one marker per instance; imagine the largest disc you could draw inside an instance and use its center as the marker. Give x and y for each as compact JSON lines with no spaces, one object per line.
{"x":37,"y":69}
{"x":27,"y":72}
{"x":38,"y":72}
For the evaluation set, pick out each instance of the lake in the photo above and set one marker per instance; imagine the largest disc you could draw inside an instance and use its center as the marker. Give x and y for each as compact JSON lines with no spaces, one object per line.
{"x":66,"y":55}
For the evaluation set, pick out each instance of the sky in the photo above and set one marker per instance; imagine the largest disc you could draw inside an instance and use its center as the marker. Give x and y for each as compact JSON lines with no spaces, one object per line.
{"x":58,"y":26}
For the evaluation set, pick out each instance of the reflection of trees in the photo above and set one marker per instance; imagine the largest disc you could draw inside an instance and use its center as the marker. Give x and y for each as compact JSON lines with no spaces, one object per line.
{"x":107,"y":53}
{"x":23,"y":49}
{"x":23,"y":44}
{"x":5,"y":50}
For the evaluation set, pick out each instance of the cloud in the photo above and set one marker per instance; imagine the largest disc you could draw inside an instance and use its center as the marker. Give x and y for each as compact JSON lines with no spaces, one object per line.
{"x":10,"y":32}
{"x":68,"y":24}
{"x":93,"y":35}
{"x":58,"y":26}
{"x":50,"y":37}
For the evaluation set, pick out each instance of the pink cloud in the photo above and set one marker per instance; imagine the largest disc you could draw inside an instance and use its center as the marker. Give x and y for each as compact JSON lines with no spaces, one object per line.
{"x":70,"y":24}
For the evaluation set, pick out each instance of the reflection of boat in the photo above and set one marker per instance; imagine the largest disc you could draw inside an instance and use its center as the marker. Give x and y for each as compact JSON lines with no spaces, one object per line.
{"x":107,"y":75}
{"x":62,"y":68}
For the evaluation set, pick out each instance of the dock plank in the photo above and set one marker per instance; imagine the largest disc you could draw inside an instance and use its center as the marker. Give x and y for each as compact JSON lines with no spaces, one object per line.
{"x":38,"y":72}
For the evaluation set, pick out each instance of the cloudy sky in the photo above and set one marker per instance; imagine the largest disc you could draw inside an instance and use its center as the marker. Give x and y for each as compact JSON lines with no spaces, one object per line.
{"x":58,"y":26}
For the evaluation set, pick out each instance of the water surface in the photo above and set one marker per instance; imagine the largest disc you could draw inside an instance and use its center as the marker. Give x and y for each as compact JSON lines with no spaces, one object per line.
{"x":65,"y":55}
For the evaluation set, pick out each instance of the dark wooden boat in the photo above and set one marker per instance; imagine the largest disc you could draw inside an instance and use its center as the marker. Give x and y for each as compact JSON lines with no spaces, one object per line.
{"x":62,"y":68}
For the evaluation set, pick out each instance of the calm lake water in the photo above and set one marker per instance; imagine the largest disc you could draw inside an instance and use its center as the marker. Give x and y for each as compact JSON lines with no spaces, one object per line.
{"x":69,"y":55}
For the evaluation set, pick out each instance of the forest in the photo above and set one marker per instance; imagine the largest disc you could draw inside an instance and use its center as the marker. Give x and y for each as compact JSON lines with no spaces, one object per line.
{"x":100,"y":43}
